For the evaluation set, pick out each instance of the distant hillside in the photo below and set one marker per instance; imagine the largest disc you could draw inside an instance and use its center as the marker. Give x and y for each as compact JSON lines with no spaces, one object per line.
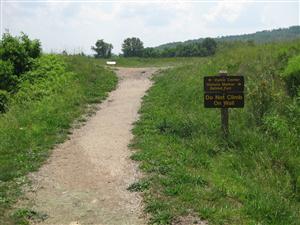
{"x":282,"y":34}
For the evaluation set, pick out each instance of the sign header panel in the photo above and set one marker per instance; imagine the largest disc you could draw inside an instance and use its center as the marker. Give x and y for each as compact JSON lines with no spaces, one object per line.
{"x":220,"y":84}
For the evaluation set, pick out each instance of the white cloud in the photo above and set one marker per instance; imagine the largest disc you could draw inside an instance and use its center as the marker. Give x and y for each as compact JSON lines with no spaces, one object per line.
{"x":274,"y":16}
{"x":78,"y":25}
{"x":227,"y":9}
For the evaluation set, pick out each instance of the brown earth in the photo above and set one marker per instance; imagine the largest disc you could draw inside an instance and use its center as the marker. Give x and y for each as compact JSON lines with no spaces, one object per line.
{"x":85,"y":179}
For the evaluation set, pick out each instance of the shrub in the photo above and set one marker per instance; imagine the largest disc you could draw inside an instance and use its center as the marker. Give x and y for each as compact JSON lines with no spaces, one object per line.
{"x":150,"y":53}
{"x":7,"y":79}
{"x":210,"y":45}
{"x":291,"y":75}
{"x":293,"y":112}
{"x":3,"y":100}
{"x":20,"y":51}
{"x":46,"y":78}
{"x":43,"y":67}
{"x":260,"y":99}
{"x":275,"y":125}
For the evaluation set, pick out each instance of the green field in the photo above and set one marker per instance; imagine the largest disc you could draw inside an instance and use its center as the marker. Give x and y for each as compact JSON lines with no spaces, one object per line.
{"x":40,"y":116}
{"x":253,"y":177}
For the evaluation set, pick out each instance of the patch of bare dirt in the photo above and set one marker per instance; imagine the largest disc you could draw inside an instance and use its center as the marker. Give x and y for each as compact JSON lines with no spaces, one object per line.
{"x":189,"y":220}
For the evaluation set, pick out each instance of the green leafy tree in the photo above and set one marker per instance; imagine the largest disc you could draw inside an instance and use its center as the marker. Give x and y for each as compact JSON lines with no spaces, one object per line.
{"x":210,"y":45}
{"x":132,"y":47}
{"x":64,"y":52}
{"x":7,"y":78}
{"x":3,"y":100}
{"x":150,"y":53}
{"x":201,"y":51}
{"x":20,"y":51}
{"x":206,"y":48}
{"x":102,"y":49}
{"x":187,"y":50}
{"x":168,"y":52}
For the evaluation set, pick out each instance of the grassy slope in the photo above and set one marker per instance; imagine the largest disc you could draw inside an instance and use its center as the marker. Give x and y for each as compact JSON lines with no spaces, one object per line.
{"x":28,"y":131}
{"x":253,"y":178}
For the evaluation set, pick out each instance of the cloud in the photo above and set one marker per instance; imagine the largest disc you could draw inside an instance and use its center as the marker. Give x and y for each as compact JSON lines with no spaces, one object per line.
{"x":227,"y":10}
{"x":78,"y":25}
{"x":274,"y":16}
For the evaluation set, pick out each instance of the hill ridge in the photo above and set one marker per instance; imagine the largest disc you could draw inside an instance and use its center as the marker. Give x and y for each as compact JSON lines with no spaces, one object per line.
{"x":264,"y":36}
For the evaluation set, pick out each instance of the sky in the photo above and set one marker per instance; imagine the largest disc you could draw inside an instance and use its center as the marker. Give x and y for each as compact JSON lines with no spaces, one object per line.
{"x":75,"y":25}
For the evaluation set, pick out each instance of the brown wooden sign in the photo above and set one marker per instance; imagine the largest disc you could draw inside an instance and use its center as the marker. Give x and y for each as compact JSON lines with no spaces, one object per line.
{"x":224,"y":91}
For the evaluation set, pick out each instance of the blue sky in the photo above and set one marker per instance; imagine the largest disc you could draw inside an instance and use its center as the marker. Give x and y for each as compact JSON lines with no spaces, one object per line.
{"x":76,"y":25}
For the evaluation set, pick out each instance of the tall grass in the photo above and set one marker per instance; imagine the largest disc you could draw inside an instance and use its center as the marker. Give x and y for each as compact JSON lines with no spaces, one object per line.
{"x":251,"y":178}
{"x":50,"y":98}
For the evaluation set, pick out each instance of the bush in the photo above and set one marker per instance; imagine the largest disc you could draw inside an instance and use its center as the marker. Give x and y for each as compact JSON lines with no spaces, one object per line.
{"x":7,"y":79}
{"x":275,"y":126}
{"x":48,"y":77}
{"x":210,"y":45}
{"x":293,"y":112}
{"x":260,"y":99}
{"x":20,"y":51}
{"x":150,"y":53}
{"x":291,"y":75}
{"x":43,"y":67}
{"x":3,"y":100}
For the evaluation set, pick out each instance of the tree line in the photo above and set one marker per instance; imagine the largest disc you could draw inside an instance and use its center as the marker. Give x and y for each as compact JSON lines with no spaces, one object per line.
{"x":134,"y":47}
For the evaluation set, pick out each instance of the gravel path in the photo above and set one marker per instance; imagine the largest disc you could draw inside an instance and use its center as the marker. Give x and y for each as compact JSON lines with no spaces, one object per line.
{"x":85,"y":179}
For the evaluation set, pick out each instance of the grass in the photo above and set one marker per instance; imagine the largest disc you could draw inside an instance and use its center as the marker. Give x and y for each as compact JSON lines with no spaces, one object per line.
{"x":31,"y":128}
{"x":151,"y":62}
{"x":251,"y":178}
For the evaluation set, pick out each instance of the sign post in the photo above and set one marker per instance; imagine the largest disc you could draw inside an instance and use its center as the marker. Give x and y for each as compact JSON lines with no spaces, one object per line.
{"x":224,"y":113}
{"x":224,"y":92}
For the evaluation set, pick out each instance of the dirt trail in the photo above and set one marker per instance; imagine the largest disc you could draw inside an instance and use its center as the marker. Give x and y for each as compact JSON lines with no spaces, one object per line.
{"x":85,"y":179}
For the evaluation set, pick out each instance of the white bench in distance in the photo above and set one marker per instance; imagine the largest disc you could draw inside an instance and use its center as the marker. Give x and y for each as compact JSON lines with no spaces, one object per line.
{"x":111,"y":62}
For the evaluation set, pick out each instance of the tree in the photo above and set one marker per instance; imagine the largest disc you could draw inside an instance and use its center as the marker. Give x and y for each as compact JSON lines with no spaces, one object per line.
{"x":132,"y":47}
{"x":150,"y":53}
{"x":3,"y":100}
{"x":187,"y":50}
{"x":168,"y":52}
{"x":7,"y":79}
{"x":102,"y":49}
{"x":210,"y":45}
{"x":64,"y":52}
{"x":20,"y":51}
